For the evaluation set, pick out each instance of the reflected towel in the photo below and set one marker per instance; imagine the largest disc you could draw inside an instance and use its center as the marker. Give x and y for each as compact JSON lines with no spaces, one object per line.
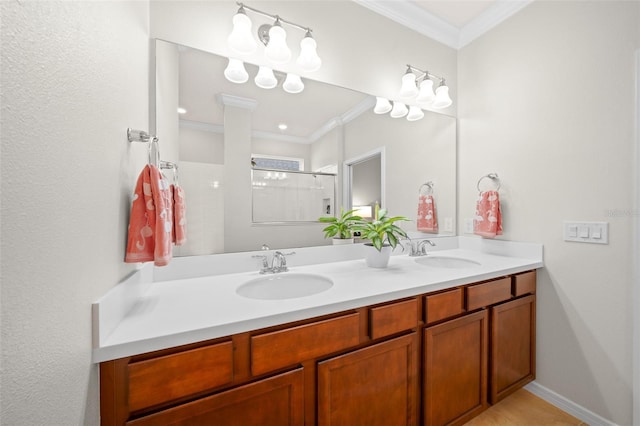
{"x":427,"y":219}
{"x":488,"y":218}
{"x":179,"y":234}
{"x":150,"y":222}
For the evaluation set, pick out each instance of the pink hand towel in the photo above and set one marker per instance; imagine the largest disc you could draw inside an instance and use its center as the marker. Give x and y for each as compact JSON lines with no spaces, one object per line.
{"x":179,"y":234}
{"x":488,"y":219}
{"x":150,"y":221}
{"x":427,"y":219}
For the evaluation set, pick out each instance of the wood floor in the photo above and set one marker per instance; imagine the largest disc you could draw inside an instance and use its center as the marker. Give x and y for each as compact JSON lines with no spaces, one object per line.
{"x":524,"y":409}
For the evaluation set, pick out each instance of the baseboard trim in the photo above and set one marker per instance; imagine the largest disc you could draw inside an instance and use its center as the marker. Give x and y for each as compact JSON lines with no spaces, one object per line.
{"x":567,"y":405}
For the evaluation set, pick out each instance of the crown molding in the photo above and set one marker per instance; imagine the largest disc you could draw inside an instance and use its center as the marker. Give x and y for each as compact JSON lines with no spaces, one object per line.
{"x":236,"y":101}
{"x":416,"y":18}
{"x":427,"y":24}
{"x":491,"y":17}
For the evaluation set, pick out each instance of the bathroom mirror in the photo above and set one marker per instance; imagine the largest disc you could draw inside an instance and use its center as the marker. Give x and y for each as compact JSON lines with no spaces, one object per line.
{"x":227,"y":124}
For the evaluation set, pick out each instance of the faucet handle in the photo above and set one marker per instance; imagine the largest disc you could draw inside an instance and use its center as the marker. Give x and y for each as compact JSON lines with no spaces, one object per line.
{"x":265,"y":262}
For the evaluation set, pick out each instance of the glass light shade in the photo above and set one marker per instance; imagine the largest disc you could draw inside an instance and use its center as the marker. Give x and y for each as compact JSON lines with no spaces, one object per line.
{"x":408,"y":88}
{"x":265,"y":78}
{"x":415,"y":113}
{"x":308,"y":59}
{"x":235,"y":72}
{"x":442,"y":97}
{"x":426,"y":96}
{"x":241,"y":40}
{"x":293,"y":84}
{"x":383,"y":106}
{"x":277,"y":50}
{"x":399,"y":110}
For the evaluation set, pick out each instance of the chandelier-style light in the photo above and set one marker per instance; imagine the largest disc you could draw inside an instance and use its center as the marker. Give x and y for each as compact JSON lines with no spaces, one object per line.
{"x":274,"y":37}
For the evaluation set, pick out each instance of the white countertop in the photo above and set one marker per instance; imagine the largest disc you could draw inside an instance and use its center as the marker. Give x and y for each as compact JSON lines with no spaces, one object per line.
{"x":181,"y":311}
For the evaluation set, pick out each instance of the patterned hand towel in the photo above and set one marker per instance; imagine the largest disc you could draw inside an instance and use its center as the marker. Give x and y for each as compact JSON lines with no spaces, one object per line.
{"x":150,"y":222}
{"x":488,"y":218}
{"x":427,"y":219}
{"x":179,"y":234}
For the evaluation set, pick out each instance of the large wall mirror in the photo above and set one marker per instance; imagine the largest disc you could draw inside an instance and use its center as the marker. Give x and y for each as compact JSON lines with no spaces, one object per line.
{"x":226,"y":126}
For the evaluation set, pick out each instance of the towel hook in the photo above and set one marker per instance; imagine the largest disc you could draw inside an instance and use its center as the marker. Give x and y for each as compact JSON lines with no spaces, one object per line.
{"x":154,"y":152}
{"x":493,"y":177}
{"x":429,"y":186}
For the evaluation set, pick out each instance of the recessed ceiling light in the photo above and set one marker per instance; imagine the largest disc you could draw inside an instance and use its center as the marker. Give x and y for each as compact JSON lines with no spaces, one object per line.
{"x":282,"y":126}
{"x":181,"y":110}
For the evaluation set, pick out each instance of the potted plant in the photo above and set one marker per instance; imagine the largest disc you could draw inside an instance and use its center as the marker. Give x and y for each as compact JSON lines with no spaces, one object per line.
{"x":341,"y":228}
{"x":383,"y":234}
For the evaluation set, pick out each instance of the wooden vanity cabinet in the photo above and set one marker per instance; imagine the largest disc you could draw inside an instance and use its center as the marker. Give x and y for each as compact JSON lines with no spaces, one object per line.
{"x":455,"y":369}
{"x":433,"y":359}
{"x":513,"y":339}
{"x":373,"y":386}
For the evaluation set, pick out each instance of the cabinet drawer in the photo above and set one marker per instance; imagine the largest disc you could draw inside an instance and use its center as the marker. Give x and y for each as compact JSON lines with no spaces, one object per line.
{"x":175,"y":376}
{"x":524,"y":283}
{"x":481,"y":295}
{"x":282,"y":348}
{"x":396,"y":317}
{"x":443,"y":305}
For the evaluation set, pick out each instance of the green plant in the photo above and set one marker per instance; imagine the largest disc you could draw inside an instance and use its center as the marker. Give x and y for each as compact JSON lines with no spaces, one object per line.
{"x":342,"y":226}
{"x":382,"y":229}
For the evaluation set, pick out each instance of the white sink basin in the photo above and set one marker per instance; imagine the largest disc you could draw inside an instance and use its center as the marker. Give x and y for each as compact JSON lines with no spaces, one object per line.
{"x":447,"y":262}
{"x":285,"y":285}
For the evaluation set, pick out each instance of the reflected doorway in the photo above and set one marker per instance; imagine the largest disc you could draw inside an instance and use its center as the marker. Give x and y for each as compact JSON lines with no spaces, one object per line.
{"x":364,"y":183}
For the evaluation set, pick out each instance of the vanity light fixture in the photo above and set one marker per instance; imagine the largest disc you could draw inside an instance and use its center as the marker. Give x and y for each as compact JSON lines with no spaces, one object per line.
{"x":274,"y":37}
{"x":424,"y":97}
{"x":415,"y":113}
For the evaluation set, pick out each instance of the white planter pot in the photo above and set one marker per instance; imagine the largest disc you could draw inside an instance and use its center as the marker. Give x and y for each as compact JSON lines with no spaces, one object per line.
{"x":341,"y":241}
{"x":375,"y":258}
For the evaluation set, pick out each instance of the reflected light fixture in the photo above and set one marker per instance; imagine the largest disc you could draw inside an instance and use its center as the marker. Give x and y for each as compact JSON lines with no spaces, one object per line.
{"x":293,"y":84}
{"x":383,"y":105}
{"x":265,"y":78}
{"x":415,"y":113}
{"x":399,"y":110}
{"x":235,"y":71}
{"x":274,"y":38}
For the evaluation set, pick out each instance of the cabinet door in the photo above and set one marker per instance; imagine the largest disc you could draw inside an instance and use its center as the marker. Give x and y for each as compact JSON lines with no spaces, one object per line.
{"x":513,"y":342}
{"x":376,"y":385}
{"x":455,"y":370}
{"x":275,"y":401}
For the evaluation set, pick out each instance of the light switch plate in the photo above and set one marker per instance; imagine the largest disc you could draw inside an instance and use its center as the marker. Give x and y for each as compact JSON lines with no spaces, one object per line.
{"x":448,"y":224}
{"x":586,"y":232}
{"x":468,"y":226}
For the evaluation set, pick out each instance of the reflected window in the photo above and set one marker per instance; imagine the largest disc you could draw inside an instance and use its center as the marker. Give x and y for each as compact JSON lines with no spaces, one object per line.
{"x":277,"y":163}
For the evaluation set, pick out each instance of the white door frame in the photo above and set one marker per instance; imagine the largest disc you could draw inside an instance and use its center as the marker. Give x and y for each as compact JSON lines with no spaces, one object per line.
{"x":347,"y":176}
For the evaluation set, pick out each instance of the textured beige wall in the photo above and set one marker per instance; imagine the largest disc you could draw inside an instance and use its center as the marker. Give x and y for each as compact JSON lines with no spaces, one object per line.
{"x":74,"y":77}
{"x":546,"y":101}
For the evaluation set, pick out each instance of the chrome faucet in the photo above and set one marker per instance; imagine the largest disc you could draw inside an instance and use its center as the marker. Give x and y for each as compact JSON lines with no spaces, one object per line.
{"x":278,"y":262}
{"x":419,"y":249}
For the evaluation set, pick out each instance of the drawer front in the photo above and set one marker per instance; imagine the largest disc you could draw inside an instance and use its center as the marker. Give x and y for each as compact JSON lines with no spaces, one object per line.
{"x":394,"y":318}
{"x":524,"y":283}
{"x":481,"y":295}
{"x":175,"y":376}
{"x":443,"y":305}
{"x":282,"y":348}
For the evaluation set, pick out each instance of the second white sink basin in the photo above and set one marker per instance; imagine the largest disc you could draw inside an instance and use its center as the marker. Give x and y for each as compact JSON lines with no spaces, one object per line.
{"x":285,"y":285}
{"x":447,"y":262}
